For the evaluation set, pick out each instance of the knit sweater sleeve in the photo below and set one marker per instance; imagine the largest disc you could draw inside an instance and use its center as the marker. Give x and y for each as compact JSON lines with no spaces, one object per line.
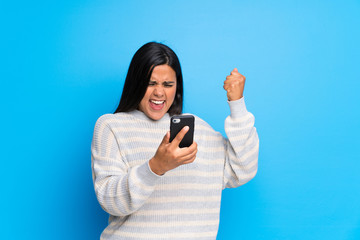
{"x":120,"y":189}
{"x":242,"y":146}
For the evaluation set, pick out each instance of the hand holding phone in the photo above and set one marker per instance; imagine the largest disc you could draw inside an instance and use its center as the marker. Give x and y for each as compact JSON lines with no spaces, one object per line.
{"x":182,"y":149}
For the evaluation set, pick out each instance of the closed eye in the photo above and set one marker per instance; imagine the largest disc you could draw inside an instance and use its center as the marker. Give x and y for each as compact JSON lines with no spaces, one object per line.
{"x":168,"y":84}
{"x":152,"y":83}
{"x":165,"y":83}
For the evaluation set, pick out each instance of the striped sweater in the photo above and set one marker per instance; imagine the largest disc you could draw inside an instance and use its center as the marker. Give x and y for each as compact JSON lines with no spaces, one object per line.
{"x":184,"y":203}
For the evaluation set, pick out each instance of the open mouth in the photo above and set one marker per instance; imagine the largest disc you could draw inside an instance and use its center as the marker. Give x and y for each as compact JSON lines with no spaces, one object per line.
{"x":157,"y":104}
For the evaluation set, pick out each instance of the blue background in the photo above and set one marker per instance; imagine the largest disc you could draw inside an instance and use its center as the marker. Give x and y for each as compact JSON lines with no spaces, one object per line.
{"x":63,"y":65}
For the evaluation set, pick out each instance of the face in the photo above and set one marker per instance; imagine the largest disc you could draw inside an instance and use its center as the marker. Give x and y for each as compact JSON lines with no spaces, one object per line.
{"x":160,"y":93}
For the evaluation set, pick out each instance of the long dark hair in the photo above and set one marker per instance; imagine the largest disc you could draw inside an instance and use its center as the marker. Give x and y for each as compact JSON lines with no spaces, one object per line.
{"x":137,"y":79}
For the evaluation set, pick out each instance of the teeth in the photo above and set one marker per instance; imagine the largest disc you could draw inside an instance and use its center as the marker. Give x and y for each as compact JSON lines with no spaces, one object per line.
{"x":157,"y":102}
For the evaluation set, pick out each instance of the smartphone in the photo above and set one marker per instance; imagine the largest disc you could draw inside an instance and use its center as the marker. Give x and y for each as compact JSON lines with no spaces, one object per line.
{"x":179,"y":122}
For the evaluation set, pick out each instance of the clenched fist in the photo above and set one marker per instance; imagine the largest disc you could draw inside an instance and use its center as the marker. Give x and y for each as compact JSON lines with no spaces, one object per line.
{"x":234,"y":85}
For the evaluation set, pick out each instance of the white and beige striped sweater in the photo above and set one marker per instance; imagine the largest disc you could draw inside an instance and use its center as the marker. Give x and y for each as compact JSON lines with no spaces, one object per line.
{"x":185,"y":202}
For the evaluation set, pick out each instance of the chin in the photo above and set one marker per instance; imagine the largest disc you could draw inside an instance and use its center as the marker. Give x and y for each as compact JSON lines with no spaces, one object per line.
{"x":154,"y":114}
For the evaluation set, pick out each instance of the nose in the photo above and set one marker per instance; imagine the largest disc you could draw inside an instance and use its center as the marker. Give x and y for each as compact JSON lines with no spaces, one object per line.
{"x":159,"y":91}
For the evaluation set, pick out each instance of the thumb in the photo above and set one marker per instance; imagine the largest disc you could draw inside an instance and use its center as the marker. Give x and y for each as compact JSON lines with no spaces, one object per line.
{"x":234,"y":71}
{"x":166,"y":138}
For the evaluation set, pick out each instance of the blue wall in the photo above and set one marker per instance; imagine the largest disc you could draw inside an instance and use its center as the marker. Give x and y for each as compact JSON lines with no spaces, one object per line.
{"x":63,"y":65}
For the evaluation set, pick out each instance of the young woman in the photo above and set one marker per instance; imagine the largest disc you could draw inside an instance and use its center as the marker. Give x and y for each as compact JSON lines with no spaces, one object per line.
{"x":151,"y":188}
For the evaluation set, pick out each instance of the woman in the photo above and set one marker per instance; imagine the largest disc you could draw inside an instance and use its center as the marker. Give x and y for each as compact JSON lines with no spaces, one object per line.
{"x":151,"y":188}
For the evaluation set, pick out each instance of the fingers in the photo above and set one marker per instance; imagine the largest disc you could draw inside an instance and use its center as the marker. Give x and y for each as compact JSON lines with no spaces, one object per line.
{"x":193,"y":147}
{"x":188,"y":150}
{"x":235,"y":72}
{"x":231,"y":84}
{"x":176,"y":141}
{"x":168,"y":157}
{"x":190,"y":160}
{"x":235,"y":76}
{"x":234,"y":79}
{"x":189,"y":154}
{"x":166,"y":138}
